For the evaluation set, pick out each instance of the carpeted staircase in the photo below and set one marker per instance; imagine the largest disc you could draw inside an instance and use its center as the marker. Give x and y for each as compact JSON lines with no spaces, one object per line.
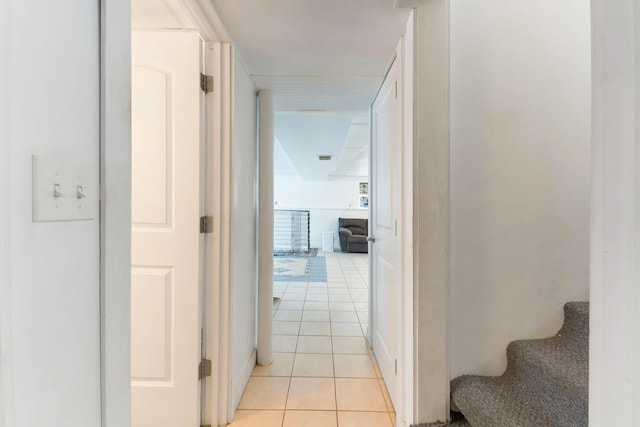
{"x":545,"y":383}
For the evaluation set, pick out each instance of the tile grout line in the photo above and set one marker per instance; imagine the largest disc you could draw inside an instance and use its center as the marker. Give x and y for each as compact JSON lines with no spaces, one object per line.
{"x":344,"y":285}
{"x":295,"y":352}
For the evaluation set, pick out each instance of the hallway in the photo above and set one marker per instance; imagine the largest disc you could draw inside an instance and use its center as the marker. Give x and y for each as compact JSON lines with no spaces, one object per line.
{"x":323,"y":373}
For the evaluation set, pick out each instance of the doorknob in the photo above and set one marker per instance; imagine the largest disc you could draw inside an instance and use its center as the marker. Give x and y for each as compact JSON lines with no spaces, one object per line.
{"x":371,"y":239}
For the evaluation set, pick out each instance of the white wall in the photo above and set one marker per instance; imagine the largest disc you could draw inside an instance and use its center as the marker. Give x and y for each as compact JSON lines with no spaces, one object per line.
{"x":54,"y":279}
{"x":243,"y":237}
{"x":520,"y":173}
{"x":327,"y":201}
{"x":614,"y":352}
{"x":6,"y":384}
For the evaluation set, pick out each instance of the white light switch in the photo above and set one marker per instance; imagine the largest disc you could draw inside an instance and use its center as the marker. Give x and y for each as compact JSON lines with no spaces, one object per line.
{"x":63,"y":190}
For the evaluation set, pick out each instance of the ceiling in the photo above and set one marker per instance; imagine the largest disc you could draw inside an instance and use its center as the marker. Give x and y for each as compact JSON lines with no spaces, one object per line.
{"x":324,"y":60}
{"x":305,"y":135}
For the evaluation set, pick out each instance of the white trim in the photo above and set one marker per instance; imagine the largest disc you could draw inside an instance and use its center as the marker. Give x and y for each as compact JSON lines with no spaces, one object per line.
{"x":207,"y":20}
{"x":405,"y":411}
{"x":238,"y":388}
{"x":431,"y":212}
{"x":614,"y":361}
{"x":218,"y":300}
{"x":265,"y":226}
{"x":115,"y":214}
{"x":205,"y":280}
{"x":211,"y":253}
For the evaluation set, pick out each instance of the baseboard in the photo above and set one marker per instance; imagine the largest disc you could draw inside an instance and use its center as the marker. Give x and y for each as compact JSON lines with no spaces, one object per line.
{"x":238,"y":388}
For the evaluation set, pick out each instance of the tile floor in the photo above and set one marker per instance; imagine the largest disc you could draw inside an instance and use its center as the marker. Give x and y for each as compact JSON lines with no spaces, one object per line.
{"x":323,"y":373}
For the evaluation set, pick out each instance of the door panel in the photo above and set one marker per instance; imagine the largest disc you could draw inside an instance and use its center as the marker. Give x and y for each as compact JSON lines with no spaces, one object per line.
{"x":152,"y":147}
{"x":165,"y":325}
{"x":151,"y":333}
{"x":385,"y":195}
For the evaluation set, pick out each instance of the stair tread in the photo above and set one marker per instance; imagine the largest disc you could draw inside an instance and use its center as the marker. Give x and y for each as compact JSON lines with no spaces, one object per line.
{"x":504,"y":404}
{"x":545,"y":383}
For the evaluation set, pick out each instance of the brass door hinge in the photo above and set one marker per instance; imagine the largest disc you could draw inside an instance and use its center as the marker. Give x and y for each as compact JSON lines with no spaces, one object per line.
{"x":206,"y":224}
{"x":206,"y":83}
{"x":204,"y":369}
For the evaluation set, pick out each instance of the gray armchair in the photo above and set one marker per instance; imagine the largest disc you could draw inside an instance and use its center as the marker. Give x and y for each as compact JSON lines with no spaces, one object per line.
{"x":353,"y":234}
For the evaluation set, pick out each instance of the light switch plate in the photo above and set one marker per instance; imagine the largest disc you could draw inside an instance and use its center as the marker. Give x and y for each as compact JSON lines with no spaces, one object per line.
{"x":63,"y":190}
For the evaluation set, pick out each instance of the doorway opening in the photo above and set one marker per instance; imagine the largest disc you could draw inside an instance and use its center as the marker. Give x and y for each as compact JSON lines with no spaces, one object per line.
{"x":324,"y":370}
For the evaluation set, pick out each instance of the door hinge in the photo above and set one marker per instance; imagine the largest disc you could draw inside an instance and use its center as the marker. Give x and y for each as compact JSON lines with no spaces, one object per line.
{"x":396,"y":89}
{"x":206,"y":83}
{"x":204,"y":369}
{"x":206,"y":224}
{"x":396,"y":366}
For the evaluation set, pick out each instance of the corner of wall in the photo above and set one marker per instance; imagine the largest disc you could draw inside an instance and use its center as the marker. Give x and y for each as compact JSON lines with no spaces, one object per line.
{"x":115,"y":236}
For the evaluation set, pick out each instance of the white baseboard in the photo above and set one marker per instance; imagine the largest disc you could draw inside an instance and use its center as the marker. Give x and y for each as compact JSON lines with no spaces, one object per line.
{"x":238,"y":388}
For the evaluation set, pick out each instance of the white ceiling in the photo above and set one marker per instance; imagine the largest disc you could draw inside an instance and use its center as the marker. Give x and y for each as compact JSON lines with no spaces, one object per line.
{"x":323,"y":59}
{"x":305,"y":135}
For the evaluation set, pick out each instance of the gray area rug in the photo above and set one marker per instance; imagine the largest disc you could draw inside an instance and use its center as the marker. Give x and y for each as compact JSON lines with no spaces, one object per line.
{"x":299,"y":269}
{"x":311,"y":252}
{"x":545,"y":384}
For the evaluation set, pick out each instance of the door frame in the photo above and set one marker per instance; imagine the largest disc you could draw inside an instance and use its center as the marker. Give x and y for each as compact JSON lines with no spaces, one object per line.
{"x":428,"y":188}
{"x":115,"y":211}
{"x":420,"y":376}
{"x":218,"y":296}
{"x":115,"y":216}
{"x":423,"y":352}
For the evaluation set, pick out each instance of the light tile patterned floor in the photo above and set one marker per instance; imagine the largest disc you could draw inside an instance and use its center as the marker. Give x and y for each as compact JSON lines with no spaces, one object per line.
{"x":323,"y":373}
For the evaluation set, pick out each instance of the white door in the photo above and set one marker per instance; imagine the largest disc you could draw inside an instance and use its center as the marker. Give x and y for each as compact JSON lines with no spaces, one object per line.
{"x":165,"y":253}
{"x":385,"y":214}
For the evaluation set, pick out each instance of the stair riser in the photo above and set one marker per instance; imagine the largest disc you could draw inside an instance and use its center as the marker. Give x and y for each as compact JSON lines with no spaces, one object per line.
{"x":530,"y":369}
{"x":544,"y":383}
{"x":576,"y":322}
{"x":474,"y":402}
{"x":558,"y":389}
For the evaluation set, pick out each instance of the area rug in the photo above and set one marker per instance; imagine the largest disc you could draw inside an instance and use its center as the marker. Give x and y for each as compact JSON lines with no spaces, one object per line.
{"x":299,"y":269}
{"x":280,"y":253}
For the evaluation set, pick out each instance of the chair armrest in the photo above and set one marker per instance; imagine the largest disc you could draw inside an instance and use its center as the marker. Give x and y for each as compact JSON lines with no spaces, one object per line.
{"x":345,"y":231}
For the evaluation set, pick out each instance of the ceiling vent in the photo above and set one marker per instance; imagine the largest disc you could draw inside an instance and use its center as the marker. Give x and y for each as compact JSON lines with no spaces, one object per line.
{"x":324,"y":157}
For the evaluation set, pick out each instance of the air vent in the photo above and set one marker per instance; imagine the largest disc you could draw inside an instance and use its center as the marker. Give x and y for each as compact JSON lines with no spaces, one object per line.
{"x":324,"y":157}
